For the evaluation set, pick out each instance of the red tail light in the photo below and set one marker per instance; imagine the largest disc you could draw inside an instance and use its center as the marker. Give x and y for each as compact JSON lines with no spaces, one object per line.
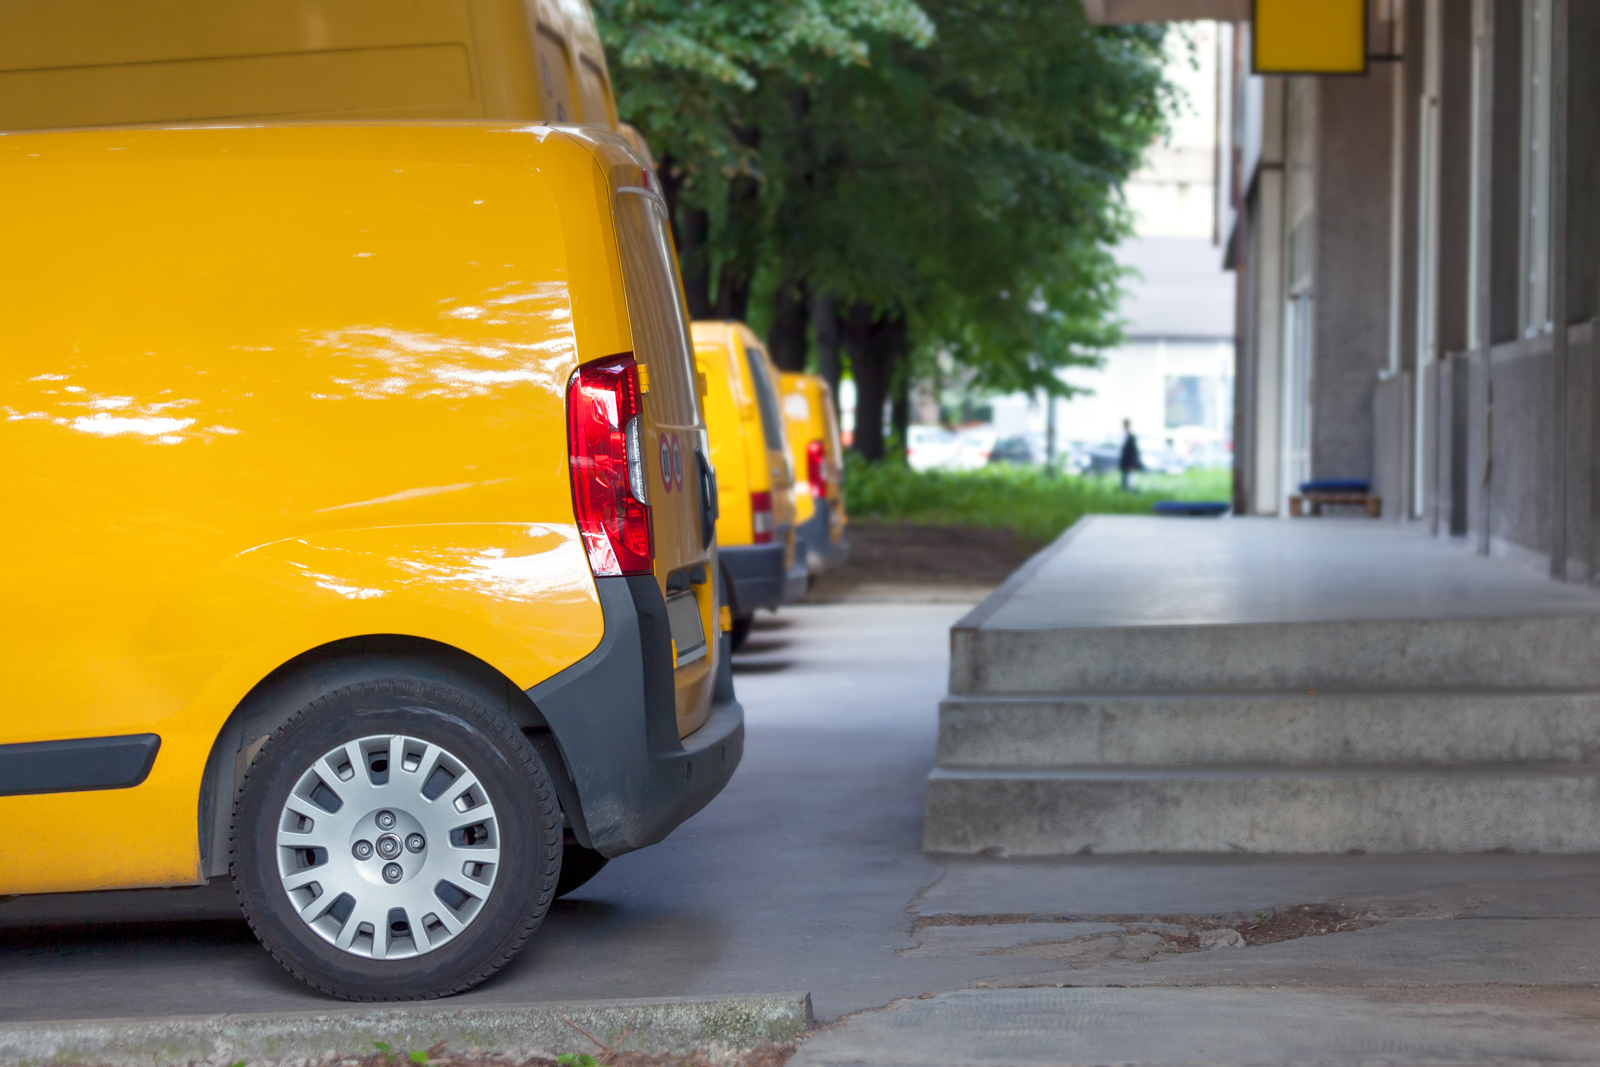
{"x":761,"y":518}
{"x":610,"y":494}
{"x":816,"y":469}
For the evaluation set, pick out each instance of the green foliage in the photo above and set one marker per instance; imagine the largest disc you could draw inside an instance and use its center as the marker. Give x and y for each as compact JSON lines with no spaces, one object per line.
{"x":419,"y":1056}
{"x":957,"y":163}
{"x":576,"y":1059}
{"x":1028,"y":500}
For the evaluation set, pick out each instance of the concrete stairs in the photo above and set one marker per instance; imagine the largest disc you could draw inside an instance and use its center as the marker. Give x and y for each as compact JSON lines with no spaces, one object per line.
{"x":1448,"y":734}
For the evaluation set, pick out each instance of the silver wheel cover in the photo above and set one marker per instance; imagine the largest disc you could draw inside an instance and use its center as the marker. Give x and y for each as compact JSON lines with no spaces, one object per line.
{"x":349,"y":855}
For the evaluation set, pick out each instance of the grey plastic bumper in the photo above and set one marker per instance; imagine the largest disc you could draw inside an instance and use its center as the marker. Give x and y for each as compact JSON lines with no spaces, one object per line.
{"x":614,"y":720}
{"x":756,"y":576}
{"x":813,"y":544}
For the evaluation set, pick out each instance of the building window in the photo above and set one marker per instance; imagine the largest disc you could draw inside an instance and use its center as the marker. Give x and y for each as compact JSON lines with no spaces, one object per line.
{"x":1534,"y":308}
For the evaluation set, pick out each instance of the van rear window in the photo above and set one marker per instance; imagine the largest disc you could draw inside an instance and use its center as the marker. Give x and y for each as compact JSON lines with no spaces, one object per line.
{"x":766,"y":399}
{"x":655,"y":314}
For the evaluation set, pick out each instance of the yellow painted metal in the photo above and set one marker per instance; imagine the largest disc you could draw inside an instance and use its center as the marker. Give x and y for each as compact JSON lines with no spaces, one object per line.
{"x":109,"y":62}
{"x":739,"y":447}
{"x":267,"y":388}
{"x":809,"y":415}
{"x":1310,"y":36}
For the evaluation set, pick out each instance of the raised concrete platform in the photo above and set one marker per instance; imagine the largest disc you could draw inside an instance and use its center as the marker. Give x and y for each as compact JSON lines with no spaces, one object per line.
{"x":1255,"y":685}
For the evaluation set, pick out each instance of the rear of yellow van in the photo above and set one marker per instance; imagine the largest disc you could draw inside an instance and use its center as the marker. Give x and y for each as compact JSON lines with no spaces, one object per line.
{"x":365,"y":549}
{"x":755,"y":474}
{"x":812,"y":428}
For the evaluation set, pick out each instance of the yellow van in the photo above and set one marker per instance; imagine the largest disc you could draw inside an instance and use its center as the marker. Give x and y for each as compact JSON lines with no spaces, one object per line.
{"x":812,"y":427}
{"x":109,"y":62}
{"x":755,"y":473}
{"x":359,"y":531}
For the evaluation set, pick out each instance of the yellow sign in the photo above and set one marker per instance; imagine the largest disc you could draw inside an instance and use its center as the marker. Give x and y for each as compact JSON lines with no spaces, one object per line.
{"x":1310,"y":37}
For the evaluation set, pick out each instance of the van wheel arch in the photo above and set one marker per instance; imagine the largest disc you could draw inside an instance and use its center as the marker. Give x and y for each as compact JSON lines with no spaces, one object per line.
{"x":276,"y":698}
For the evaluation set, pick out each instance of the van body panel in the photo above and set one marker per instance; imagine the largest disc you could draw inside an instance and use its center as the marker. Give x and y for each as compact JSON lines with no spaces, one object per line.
{"x":73,"y":63}
{"x":268,"y":388}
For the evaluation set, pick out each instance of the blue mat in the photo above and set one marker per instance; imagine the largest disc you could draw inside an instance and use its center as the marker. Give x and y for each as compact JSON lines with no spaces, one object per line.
{"x":1335,"y":485}
{"x":1192,"y":508}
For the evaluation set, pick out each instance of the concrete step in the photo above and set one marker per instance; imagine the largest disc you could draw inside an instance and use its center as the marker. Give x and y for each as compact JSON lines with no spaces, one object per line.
{"x":1385,"y":654}
{"x":1477,"y":808}
{"x":1328,"y":728}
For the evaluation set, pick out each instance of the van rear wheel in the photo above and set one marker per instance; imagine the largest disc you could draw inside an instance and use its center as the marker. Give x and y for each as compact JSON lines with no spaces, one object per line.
{"x":396,"y":839}
{"x":741,"y":631}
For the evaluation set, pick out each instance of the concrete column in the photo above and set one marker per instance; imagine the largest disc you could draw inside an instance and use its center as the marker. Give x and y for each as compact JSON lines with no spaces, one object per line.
{"x":1350,"y":347}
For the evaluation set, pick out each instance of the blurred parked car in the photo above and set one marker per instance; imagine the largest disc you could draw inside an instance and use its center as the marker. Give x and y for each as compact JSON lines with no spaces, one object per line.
{"x":930,"y":448}
{"x":1013,"y":450}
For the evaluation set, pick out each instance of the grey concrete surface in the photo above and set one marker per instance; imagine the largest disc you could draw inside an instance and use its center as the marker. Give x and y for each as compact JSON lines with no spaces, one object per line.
{"x":721,"y":1028}
{"x":1539,"y":807}
{"x":1130,"y":604}
{"x":1127,"y":570}
{"x":1213,"y":1026}
{"x":1329,"y":728}
{"x":1147,"y":684}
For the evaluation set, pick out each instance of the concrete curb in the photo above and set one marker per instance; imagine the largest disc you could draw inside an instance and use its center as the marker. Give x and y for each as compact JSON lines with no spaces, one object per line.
{"x":722,"y":1028}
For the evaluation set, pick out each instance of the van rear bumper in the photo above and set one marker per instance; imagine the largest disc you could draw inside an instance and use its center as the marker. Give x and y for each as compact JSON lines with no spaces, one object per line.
{"x":613,"y":723}
{"x":814,"y":543}
{"x":756,"y":576}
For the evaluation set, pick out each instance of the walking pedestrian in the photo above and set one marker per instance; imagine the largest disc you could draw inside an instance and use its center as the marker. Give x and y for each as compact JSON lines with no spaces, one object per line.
{"x":1129,"y":461}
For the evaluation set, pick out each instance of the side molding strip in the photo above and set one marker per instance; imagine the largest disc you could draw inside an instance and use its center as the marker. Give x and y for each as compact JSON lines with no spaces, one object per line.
{"x":75,"y":766}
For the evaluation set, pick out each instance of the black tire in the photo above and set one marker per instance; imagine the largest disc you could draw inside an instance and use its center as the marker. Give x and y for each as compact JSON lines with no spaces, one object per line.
{"x":741,"y":631}
{"x":578,"y":865}
{"x":527,"y":829}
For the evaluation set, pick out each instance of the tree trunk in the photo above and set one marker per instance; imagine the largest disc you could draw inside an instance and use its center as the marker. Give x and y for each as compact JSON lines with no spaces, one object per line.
{"x":786,"y":341}
{"x":900,"y":406}
{"x":694,"y":255}
{"x":876,"y":346}
{"x":825,"y":327}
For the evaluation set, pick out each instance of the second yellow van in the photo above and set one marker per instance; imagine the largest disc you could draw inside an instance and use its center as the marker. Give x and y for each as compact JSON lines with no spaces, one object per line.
{"x":755,"y":473}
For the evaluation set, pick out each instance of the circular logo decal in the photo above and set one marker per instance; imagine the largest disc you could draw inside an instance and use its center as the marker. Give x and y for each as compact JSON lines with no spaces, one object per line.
{"x":677,"y":464}
{"x":666,"y":464}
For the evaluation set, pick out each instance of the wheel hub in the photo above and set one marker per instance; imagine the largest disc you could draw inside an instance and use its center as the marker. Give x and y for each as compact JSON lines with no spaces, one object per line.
{"x":388,"y":846}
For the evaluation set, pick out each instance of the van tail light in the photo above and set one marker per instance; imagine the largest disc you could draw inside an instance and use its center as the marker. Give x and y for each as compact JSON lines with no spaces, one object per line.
{"x":761,"y":518}
{"x":816,"y":469}
{"x":605,"y":451}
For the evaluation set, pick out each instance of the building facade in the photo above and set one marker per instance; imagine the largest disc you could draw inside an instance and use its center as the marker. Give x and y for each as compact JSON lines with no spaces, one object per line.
{"x":1417,"y":250}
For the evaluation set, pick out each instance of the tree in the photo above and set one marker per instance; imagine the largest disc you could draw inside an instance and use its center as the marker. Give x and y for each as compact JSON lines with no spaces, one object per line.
{"x":904,"y":192}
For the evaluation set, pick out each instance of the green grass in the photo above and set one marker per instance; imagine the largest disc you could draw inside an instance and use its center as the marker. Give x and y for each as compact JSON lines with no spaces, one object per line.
{"x":1035,"y":505}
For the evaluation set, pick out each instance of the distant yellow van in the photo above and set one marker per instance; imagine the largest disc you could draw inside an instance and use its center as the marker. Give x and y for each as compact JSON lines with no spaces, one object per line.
{"x":67,"y":63}
{"x":755,"y":473}
{"x":359,"y":537}
{"x":812,"y":427}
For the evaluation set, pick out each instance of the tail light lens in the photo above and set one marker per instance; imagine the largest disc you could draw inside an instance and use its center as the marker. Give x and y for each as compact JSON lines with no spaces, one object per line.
{"x":606,"y":453}
{"x":816,"y":469}
{"x":761,"y":518}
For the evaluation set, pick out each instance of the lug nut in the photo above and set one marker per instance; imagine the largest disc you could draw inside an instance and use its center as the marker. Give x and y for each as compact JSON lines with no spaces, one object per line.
{"x":388,"y":846}
{"x":385,"y":820}
{"x":362,"y":850}
{"x":416,"y":842}
{"x":392,"y":873}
